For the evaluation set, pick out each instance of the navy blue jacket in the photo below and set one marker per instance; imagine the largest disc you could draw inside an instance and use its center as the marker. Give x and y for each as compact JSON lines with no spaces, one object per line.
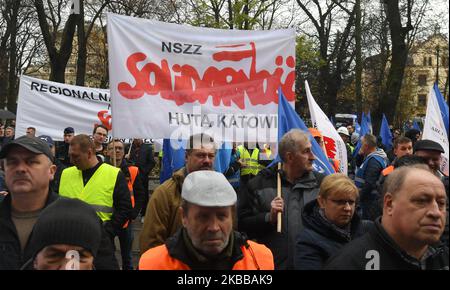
{"x":320,"y":239}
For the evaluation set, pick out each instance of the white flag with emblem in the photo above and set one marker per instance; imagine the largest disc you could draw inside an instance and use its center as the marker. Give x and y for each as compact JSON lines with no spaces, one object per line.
{"x":334,"y":145}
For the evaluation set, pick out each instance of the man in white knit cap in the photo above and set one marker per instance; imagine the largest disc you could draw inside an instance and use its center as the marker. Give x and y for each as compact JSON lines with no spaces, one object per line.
{"x":207,"y":240}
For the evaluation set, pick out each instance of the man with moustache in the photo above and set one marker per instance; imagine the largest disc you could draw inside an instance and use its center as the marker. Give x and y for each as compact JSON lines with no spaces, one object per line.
{"x":207,"y":240}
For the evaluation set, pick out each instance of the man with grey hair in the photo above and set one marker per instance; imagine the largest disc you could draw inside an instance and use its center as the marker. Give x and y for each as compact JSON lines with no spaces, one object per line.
{"x":207,"y":240}
{"x":374,"y":160}
{"x":259,"y":204}
{"x":404,"y":237}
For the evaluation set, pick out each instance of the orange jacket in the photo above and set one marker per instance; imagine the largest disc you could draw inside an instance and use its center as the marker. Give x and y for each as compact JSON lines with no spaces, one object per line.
{"x":387,"y":170}
{"x":256,"y":257}
{"x":133,"y":173}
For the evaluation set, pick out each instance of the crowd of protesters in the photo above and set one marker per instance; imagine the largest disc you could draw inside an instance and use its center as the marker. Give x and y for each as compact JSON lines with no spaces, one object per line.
{"x":63,"y":203}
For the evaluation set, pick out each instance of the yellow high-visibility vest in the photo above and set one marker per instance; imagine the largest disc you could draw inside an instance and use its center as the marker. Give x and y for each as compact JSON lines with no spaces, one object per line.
{"x":253,"y":166}
{"x":98,"y":192}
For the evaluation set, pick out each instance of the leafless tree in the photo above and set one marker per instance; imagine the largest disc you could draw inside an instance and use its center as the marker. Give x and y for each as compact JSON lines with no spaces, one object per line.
{"x":335,"y":45}
{"x":53,"y":12}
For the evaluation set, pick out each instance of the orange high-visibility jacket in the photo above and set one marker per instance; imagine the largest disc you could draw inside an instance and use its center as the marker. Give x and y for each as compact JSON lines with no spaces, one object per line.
{"x":133,"y":173}
{"x":256,"y":257}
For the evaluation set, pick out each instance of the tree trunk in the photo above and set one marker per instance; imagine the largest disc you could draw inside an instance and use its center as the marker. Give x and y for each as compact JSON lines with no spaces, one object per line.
{"x":12,"y":87}
{"x":4,"y":57}
{"x":58,"y":59}
{"x":324,"y":74}
{"x":389,"y":99}
{"x":358,"y":58}
{"x":3,"y":77}
{"x":246,"y":15}
{"x":82,"y":48}
{"x":230,"y":14}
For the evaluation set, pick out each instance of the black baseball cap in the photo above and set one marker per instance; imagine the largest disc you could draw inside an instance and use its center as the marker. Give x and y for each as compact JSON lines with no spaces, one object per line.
{"x":428,"y":145}
{"x":69,"y":130}
{"x":33,"y":144}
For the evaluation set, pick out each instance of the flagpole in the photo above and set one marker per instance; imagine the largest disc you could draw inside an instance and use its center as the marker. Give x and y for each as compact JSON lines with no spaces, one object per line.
{"x":279,"y":195}
{"x":129,"y":149}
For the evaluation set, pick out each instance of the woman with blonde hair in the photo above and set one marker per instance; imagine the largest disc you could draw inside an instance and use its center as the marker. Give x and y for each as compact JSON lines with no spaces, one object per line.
{"x":329,"y":222}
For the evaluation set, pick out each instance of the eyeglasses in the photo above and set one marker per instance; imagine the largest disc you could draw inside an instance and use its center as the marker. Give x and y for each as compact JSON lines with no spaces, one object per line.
{"x":116,"y":148}
{"x":343,"y":202}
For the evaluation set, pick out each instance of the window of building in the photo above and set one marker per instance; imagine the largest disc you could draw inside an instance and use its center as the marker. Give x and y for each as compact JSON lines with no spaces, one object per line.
{"x":430,"y":61}
{"x":422,"y":80}
{"x":422,"y":100}
{"x":424,"y":61}
{"x":444,"y":61}
{"x":410,"y":61}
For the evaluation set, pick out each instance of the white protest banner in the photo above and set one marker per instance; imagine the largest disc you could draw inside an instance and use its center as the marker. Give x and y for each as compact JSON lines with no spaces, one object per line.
{"x":170,"y":80}
{"x":334,"y":145}
{"x":434,"y":128}
{"x":50,"y":107}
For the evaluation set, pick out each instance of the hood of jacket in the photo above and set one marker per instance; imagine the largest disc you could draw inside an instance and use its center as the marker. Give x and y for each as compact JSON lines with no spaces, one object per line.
{"x":379,"y":152}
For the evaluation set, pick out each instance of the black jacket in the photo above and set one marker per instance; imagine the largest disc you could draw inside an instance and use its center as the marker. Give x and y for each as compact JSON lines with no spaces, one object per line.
{"x":138,"y":189}
{"x":254,"y":209}
{"x":62,"y":153}
{"x":142,"y":157}
{"x":376,"y":250}
{"x":320,"y":239}
{"x":12,"y":257}
{"x":445,"y":235}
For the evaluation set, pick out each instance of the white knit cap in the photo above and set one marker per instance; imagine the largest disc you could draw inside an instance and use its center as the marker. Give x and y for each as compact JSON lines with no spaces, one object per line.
{"x":208,"y":188}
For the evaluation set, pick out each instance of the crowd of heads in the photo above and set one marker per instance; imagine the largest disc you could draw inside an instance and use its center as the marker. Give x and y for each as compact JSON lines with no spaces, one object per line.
{"x":413,"y":197}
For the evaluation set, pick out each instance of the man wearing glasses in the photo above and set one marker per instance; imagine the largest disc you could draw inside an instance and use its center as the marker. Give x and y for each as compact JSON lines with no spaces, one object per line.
{"x":115,"y":157}
{"x":100,"y":134}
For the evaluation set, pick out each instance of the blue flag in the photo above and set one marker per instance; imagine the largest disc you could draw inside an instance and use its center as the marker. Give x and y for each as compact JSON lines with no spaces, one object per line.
{"x":369,"y":123}
{"x":385,"y":133}
{"x":364,"y":130}
{"x":357,"y":128}
{"x":363,"y":123}
{"x":416,"y":126}
{"x":442,"y":105}
{"x":223,"y":157}
{"x":173,"y":158}
{"x":289,"y":119}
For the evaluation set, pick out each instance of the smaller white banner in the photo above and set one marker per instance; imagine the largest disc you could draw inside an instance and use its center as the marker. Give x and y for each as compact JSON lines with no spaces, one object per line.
{"x":50,"y":107}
